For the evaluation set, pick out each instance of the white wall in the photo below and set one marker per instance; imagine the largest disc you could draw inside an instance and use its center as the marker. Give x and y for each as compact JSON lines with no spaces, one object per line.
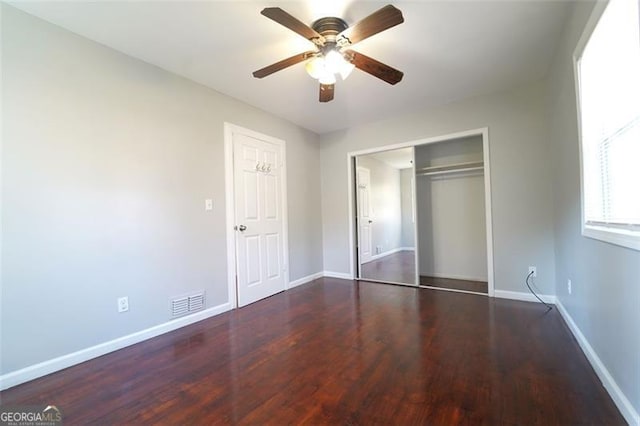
{"x":451,"y":227}
{"x":386,"y":211}
{"x":408,"y":222}
{"x":520,"y":168}
{"x":605,"y":301}
{"x":106,"y":164}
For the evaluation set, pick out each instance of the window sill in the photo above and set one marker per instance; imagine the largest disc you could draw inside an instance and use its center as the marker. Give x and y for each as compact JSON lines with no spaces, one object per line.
{"x":619,"y":237}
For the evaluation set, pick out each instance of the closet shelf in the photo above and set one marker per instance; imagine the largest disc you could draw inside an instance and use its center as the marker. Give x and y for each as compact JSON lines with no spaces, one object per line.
{"x":450,"y":168}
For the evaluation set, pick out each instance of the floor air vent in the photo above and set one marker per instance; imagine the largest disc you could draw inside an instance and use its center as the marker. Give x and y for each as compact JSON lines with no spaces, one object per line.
{"x":187,"y":304}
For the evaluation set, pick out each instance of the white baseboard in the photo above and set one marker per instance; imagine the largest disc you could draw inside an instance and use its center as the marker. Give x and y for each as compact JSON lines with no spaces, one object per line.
{"x":454,"y":277}
{"x":526,"y":297}
{"x":380,"y":256}
{"x":35,"y":371}
{"x":23,"y":375}
{"x":619,"y":398}
{"x":341,"y":275}
{"x":306,"y":279}
{"x":389,"y":252}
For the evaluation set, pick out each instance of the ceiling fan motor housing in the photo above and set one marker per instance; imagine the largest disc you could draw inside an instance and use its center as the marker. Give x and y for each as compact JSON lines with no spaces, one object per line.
{"x":329,"y":27}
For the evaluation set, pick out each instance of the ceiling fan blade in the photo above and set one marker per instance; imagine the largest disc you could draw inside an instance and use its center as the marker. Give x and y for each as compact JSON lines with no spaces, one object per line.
{"x":285,"y":63}
{"x":326,"y":92}
{"x":375,"y":68}
{"x":378,"y":21}
{"x":284,"y":19}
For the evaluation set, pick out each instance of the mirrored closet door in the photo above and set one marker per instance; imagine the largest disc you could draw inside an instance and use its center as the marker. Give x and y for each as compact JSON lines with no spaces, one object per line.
{"x":385,"y":216}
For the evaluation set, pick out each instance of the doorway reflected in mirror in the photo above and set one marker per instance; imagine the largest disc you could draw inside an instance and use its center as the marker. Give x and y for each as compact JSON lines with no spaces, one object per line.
{"x":385,"y":216}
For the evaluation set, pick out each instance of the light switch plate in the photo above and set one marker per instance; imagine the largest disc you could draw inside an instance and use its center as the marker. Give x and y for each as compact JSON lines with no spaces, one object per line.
{"x":208,"y":204}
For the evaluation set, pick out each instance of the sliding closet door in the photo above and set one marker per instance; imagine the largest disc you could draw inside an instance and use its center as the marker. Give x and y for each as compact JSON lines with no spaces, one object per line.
{"x":451,"y":215}
{"x":385,"y":216}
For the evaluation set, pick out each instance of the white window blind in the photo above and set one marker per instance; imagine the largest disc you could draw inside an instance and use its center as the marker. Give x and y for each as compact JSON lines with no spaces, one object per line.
{"x":609,"y":84}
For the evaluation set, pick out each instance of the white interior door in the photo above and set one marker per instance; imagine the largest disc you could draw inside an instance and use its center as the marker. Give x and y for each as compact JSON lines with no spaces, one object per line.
{"x":363,"y":201}
{"x":259,"y":218}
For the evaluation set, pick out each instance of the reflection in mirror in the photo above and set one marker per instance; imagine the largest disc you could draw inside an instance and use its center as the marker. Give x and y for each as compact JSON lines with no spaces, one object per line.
{"x":385,"y":216}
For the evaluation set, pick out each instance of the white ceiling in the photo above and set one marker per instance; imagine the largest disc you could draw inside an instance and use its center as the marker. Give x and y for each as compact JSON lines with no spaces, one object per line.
{"x":447,"y":50}
{"x":397,"y":158}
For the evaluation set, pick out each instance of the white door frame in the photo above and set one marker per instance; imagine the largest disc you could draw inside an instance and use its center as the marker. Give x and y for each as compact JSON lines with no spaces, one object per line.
{"x":229,"y":131}
{"x":484,"y":132}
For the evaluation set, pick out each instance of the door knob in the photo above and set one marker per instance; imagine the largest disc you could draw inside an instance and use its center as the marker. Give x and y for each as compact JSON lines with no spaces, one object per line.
{"x":242,"y":228}
{"x":370,"y":221}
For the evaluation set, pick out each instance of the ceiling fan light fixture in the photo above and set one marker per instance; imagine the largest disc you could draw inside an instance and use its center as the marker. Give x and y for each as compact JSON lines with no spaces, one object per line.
{"x":345,"y":69}
{"x":315,"y":67}
{"x":334,"y":60}
{"x":337,"y":64}
{"x":327,"y":78}
{"x":324,"y":68}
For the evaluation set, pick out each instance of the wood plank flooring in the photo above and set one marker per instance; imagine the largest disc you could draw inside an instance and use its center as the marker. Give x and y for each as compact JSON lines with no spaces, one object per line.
{"x":398,"y":267}
{"x":450,"y":283}
{"x":343,"y":352}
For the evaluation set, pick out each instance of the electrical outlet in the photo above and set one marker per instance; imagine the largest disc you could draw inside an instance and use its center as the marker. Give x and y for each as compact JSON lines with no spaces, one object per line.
{"x":534,"y":270}
{"x":569,"y":286}
{"x":123,"y":304}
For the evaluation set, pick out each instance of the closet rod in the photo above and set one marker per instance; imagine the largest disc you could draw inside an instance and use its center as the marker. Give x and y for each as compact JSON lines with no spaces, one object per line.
{"x":450,"y":168}
{"x":449,"y":172}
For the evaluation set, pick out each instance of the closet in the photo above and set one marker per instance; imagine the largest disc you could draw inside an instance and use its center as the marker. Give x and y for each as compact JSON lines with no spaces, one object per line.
{"x":451,"y":221}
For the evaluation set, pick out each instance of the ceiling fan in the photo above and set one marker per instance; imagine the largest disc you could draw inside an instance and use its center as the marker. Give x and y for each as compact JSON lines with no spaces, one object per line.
{"x":333,"y":37}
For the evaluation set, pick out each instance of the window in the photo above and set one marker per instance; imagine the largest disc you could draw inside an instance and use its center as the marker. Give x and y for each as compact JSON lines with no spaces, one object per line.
{"x":608,"y":76}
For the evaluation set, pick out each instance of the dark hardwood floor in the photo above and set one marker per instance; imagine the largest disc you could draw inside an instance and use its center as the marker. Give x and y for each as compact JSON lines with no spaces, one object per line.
{"x":343,"y":352}
{"x":398,"y":267}
{"x":455,"y":284}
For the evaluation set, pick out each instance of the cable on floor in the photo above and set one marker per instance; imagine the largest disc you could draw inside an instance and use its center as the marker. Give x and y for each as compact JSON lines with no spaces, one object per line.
{"x":549,"y":307}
